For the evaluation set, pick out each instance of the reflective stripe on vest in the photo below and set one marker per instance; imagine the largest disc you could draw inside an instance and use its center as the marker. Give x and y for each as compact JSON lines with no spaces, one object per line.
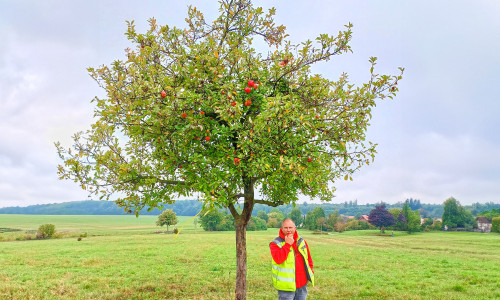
{"x":301,"y":246}
{"x":283,"y":274}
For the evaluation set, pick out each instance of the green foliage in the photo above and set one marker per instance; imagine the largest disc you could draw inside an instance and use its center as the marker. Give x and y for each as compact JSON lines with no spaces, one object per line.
{"x":91,"y":207}
{"x":263,"y":215}
{"x":358,"y":225}
{"x":340,"y":226}
{"x":177,"y":117}
{"x":273,"y":223}
{"x":490,"y":214}
{"x":256,"y":224}
{"x":216,"y":220}
{"x":401,"y":222}
{"x":226,"y":224}
{"x":479,"y":208}
{"x":211,"y":219}
{"x":438,"y":225}
{"x":427,"y":225}
{"x":456,"y":216}
{"x":495,"y":224}
{"x":410,"y":218}
{"x":331,"y":220}
{"x":414,"y":204}
{"x":167,"y":217}
{"x":46,"y":231}
{"x":413,"y":221}
{"x":296,"y":216}
{"x":276,"y":214}
{"x":311,"y":221}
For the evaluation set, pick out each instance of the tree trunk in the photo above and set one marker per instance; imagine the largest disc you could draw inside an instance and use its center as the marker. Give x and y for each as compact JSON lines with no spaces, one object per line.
{"x":241,"y":261}
{"x":241,"y":221}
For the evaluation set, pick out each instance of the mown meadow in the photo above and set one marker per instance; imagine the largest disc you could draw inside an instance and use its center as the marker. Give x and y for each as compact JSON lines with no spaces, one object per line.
{"x":123,"y":258}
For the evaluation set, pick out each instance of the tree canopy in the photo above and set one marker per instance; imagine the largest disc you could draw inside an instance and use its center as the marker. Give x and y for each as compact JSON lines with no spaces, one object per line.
{"x":167,"y":217}
{"x":456,"y":216}
{"x":199,"y":110}
{"x":381,"y":217}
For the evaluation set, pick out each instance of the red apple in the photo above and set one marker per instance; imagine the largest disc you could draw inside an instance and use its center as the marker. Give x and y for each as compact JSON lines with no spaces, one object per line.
{"x":248,"y":90}
{"x":255,"y":86}
{"x":248,"y":102}
{"x":250,"y":83}
{"x":233,"y":103}
{"x":317,"y":116}
{"x":309,"y":159}
{"x":236,"y":161}
{"x":163,"y":94}
{"x":207,"y":138}
{"x":284,"y":62}
{"x":184,"y":115}
{"x":202,"y":112}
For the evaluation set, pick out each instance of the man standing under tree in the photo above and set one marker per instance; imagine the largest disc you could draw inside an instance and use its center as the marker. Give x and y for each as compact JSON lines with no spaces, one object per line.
{"x":292,"y":265}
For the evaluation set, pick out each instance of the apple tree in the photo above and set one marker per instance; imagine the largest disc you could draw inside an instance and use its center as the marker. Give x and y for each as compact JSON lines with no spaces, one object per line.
{"x":200,"y":110}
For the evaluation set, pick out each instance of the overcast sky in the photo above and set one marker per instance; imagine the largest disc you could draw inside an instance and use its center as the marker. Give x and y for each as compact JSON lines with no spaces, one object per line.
{"x":439,"y":138}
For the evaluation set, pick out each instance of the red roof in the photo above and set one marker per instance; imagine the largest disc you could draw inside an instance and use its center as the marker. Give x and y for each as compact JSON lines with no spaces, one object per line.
{"x":364,"y":218}
{"x":482,"y":220}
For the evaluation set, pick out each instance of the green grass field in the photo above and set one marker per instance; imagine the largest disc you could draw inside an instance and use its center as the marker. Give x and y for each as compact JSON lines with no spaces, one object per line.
{"x":122,"y":258}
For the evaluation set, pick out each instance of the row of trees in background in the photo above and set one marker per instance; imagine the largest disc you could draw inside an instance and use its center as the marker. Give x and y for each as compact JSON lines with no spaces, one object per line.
{"x":407,"y":218}
{"x":192,"y":207}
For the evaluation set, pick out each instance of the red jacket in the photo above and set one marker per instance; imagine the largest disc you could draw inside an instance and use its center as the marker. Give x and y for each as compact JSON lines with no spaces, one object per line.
{"x":280,"y":254}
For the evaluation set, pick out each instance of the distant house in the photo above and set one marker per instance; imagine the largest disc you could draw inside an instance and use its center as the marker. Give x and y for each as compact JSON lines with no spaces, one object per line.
{"x":348,"y":218}
{"x":364,"y":218}
{"x":483,"y":224}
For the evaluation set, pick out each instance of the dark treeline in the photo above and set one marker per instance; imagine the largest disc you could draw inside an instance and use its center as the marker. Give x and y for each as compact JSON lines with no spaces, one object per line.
{"x":90,"y":207}
{"x":192,"y":207}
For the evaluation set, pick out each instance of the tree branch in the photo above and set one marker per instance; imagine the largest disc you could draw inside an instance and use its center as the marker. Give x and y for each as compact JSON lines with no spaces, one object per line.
{"x":270,"y":203}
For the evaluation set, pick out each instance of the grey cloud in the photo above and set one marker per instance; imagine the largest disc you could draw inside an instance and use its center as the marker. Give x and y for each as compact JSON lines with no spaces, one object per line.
{"x":439,"y":138}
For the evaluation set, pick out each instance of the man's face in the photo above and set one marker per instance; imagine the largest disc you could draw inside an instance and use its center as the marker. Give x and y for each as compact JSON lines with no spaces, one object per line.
{"x":288,"y":227}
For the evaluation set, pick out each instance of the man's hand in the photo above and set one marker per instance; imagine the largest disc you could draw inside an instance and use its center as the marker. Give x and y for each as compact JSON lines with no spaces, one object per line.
{"x":289,"y":239}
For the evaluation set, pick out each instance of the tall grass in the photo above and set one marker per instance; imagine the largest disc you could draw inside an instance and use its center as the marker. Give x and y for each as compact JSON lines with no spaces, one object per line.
{"x":123,"y":259}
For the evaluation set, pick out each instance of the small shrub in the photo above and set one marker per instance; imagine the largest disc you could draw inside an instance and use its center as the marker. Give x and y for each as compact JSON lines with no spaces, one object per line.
{"x":45,"y":231}
{"x":28,"y":237}
{"x":79,"y":239}
{"x":340,"y":226}
{"x":176,"y":231}
{"x":57,"y":235}
{"x":83,"y":235}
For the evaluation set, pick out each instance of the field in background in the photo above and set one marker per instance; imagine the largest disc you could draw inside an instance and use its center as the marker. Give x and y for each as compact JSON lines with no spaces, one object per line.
{"x":74,"y":225}
{"x":123,"y":258}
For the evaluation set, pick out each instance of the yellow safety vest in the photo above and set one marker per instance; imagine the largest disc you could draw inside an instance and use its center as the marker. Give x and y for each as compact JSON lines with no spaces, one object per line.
{"x":284,"y":273}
